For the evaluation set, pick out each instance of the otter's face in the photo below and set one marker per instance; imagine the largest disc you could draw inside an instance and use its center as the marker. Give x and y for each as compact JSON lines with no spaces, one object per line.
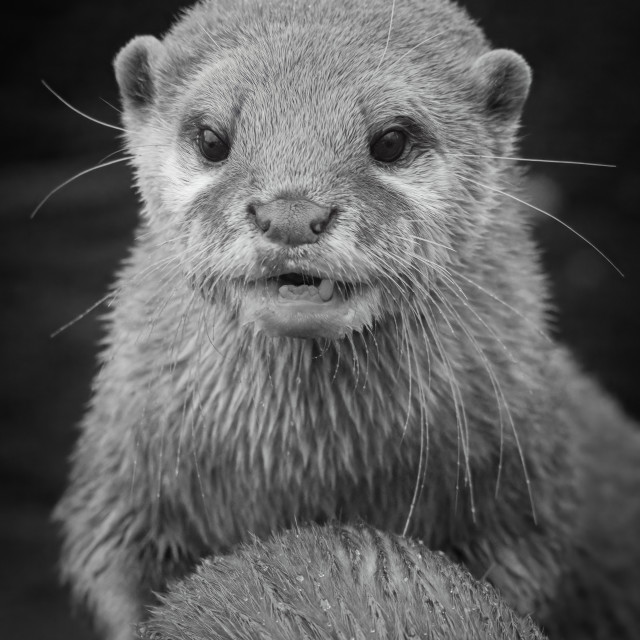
{"x":310,"y":189}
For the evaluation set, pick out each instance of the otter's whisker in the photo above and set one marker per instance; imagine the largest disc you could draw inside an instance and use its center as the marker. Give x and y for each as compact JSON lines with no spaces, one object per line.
{"x":71,"y":179}
{"x":433,"y":242}
{"x":457,"y":397}
{"x":82,"y":315}
{"x":406,"y":53}
{"x":113,"y":106}
{"x":505,"y":304}
{"x":81,"y":113}
{"x":386,"y":45}
{"x":549,"y":215}
{"x":542,"y":160}
{"x":500,"y":398}
{"x":424,"y":441}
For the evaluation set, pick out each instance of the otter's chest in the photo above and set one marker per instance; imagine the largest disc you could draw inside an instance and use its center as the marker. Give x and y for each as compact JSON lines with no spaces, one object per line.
{"x":263,"y":454}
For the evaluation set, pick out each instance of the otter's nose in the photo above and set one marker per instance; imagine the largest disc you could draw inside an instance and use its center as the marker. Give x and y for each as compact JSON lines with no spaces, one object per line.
{"x":291,"y":222}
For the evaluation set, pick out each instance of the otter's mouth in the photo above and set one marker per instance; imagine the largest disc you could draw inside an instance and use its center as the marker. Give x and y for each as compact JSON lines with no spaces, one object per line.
{"x":302,"y":288}
{"x":302,"y":305}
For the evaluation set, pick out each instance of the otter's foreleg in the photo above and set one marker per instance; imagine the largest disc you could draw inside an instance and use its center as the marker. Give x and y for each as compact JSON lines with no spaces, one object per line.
{"x":115,"y":552}
{"x":101,"y":558}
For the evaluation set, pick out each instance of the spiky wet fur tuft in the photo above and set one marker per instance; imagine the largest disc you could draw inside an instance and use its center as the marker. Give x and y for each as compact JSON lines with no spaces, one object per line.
{"x":334,"y":582}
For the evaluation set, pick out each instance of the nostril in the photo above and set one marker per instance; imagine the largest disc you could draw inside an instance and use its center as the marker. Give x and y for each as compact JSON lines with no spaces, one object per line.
{"x":319,"y":225}
{"x":261,"y":221}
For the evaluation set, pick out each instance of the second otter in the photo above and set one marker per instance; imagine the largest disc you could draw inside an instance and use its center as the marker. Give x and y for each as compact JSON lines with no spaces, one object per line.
{"x":333,"y":308}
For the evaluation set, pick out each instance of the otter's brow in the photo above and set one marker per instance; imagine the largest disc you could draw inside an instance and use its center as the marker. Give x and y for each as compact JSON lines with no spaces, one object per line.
{"x":222,"y":122}
{"x":386,"y":114}
{"x":419,"y":130}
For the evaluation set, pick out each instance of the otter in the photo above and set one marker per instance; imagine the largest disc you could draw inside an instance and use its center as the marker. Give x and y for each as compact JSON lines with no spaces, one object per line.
{"x":333,"y":308}
{"x":333,"y":582}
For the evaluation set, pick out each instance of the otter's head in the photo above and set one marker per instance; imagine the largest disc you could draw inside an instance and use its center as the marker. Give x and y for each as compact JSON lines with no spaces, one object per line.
{"x":315,"y":170}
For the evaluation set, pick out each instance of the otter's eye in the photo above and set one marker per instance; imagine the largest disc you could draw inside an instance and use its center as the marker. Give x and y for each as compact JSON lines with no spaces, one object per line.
{"x":212,"y":146}
{"x":389,"y":146}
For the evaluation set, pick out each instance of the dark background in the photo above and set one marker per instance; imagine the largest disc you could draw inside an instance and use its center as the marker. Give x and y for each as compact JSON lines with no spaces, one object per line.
{"x":584,"y":106}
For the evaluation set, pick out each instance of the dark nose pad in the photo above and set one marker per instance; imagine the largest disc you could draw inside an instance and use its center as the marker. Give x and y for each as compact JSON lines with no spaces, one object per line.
{"x":291,"y":222}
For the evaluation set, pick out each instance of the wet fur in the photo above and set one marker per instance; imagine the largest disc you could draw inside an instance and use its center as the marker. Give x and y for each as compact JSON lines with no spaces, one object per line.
{"x":334,"y":582}
{"x":449,"y":415}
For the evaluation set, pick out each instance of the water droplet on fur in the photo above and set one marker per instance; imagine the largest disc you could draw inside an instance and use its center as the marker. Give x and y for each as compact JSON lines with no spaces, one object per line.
{"x":321,"y":575}
{"x":324,"y":603}
{"x":300,"y":578}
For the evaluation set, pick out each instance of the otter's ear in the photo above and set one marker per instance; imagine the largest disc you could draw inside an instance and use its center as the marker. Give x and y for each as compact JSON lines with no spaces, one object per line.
{"x":502,"y":79}
{"x":134,"y":71}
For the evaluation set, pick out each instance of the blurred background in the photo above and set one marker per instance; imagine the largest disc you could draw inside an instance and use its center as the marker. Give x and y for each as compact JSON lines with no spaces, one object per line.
{"x":585,"y":106}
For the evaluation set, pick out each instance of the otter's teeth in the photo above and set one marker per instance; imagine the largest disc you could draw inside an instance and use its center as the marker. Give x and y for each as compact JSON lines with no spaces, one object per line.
{"x":299,"y":292}
{"x":322,"y":293}
{"x":326,"y":290}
